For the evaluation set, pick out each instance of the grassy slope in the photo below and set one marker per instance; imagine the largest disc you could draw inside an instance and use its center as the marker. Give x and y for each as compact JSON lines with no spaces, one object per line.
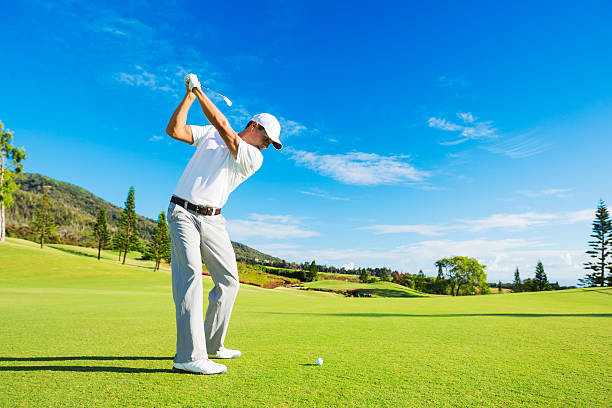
{"x":82,"y":332}
{"x":376,"y":289}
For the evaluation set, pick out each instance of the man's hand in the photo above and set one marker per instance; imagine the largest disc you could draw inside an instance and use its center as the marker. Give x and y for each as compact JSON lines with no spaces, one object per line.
{"x":191,"y":80}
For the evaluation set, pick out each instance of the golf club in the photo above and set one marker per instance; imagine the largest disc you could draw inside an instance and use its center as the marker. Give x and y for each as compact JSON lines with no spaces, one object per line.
{"x":225,"y":98}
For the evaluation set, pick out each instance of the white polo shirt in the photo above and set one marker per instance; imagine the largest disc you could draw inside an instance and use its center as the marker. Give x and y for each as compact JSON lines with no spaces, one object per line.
{"x":212,"y":173}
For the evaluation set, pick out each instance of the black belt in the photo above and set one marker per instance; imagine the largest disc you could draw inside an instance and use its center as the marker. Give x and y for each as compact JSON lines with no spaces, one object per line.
{"x":197,"y":208}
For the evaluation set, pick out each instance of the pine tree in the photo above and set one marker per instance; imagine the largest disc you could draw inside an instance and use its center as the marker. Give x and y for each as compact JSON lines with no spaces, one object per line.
{"x":499,"y":286}
{"x":101,"y":231}
{"x":602,"y":232}
{"x":10,"y":158}
{"x":159,"y":248}
{"x":540,"y":279}
{"x":43,"y":225}
{"x":364,"y":276}
{"x":312,"y":273}
{"x":118,"y":242}
{"x":518,"y":286}
{"x":128,"y":230}
{"x":440,"y":280}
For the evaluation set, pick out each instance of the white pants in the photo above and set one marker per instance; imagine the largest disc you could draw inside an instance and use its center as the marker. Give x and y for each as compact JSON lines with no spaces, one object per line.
{"x":195,"y":237}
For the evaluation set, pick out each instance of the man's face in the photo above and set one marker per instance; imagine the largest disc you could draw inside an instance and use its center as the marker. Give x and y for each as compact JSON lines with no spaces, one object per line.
{"x":261,"y":139}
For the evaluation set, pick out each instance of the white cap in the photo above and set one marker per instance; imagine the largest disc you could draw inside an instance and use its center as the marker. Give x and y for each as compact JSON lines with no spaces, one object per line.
{"x":270,"y":123}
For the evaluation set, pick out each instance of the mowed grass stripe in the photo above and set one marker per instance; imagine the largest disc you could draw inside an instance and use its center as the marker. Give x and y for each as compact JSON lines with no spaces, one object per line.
{"x":90,"y":348}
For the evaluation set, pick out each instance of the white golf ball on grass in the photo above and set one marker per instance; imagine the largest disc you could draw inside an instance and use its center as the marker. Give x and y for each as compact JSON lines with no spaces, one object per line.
{"x":319,"y":361}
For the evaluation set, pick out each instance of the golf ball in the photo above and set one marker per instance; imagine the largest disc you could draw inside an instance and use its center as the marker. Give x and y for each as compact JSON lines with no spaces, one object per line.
{"x":319,"y":361}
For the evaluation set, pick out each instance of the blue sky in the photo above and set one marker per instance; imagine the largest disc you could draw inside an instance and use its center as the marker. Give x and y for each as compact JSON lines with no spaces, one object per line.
{"x":413,"y":131}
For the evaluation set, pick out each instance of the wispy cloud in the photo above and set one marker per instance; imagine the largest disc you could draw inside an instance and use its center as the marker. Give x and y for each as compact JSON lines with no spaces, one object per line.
{"x":141,"y":77}
{"x":283,"y":219}
{"x":360,"y":168}
{"x":156,"y":138}
{"x":521,"y":146}
{"x":316,"y":192}
{"x":555,"y":192}
{"x":470,"y":130}
{"x":448,"y":81}
{"x":427,"y":230}
{"x":268,"y":226}
{"x":291,"y":128}
{"x":500,"y":256}
{"x":496,"y":221}
{"x":517,"y":147}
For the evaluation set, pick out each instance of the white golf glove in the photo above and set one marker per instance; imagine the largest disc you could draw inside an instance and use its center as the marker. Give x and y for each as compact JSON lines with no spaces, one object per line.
{"x":191,"y":80}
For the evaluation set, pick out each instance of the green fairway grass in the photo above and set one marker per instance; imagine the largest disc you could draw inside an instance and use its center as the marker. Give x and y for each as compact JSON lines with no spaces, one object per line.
{"x":81,"y":332}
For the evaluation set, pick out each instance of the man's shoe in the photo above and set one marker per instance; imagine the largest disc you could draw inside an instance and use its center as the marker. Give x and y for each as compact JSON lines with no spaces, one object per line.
{"x":225,"y":353}
{"x":199,"y":367}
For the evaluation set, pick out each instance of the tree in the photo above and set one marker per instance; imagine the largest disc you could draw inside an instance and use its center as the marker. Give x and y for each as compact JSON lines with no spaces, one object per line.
{"x":10,"y":159}
{"x":101,"y":231}
{"x":419,"y":282}
{"x":118,"y":243}
{"x":540,"y":279}
{"x":441,"y":282}
{"x":128,"y":231}
{"x":602,"y":234}
{"x":311,"y":274}
{"x":499,"y":286}
{"x":529,"y":285}
{"x":384,"y":274}
{"x":465,"y":273}
{"x":364,"y":276}
{"x":159,"y":248}
{"x":518,"y":287}
{"x":43,"y":225}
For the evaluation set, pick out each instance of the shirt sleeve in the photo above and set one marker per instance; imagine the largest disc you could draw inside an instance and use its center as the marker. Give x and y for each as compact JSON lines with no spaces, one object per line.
{"x":201,"y":133}
{"x":248,"y":160}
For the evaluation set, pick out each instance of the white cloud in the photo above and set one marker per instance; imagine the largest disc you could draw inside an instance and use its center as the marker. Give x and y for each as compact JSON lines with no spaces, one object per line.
{"x":524,"y":220}
{"x":500,"y":221}
{"x":427,"y":230}
{"x":443,"y":124}
{"x":268,"y":226}
{"x":555,"y":192}
{"x":291,"y":128}
{"x":501,"y":257}
{"x":360,"y":168}
{"x":466,"y":117}
{"x":446,"y":81}
{"x":518,"y":147}
{"x":156,"y":138}
{"x":470,"y":131}
{"x":283,"y":219}
{"x":316,"y":192}
{"x":521,"y":146}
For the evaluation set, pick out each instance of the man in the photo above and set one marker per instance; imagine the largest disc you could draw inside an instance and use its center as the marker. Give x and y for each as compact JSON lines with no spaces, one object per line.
{"x":223,"y":159}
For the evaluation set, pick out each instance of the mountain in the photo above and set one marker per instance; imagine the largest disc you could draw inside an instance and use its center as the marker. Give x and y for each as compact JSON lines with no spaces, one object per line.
{"x":75,"y":210}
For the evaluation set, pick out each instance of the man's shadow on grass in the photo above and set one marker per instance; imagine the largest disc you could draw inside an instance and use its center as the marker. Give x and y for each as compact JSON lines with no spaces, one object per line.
{"x":69,"y":358}
{"x":446,"y":314}
{"x":84,"y":369}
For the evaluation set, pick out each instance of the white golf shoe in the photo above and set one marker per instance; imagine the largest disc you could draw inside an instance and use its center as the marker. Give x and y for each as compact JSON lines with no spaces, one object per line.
{"x":199,"y":367}
{"x":225,"y":353}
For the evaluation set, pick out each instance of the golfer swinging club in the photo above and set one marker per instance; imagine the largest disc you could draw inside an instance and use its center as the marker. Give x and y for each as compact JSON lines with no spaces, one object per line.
{"x":223,"y":159}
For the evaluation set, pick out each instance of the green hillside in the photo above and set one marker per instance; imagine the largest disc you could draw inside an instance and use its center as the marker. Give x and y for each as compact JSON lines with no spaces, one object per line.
{"x":78,"y":332}
{"x":75,"y":210}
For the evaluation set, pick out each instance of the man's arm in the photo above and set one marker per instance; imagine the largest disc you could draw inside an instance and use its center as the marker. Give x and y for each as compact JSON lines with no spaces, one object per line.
{"x":219,"y":121}
{"x":177,"y":127}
